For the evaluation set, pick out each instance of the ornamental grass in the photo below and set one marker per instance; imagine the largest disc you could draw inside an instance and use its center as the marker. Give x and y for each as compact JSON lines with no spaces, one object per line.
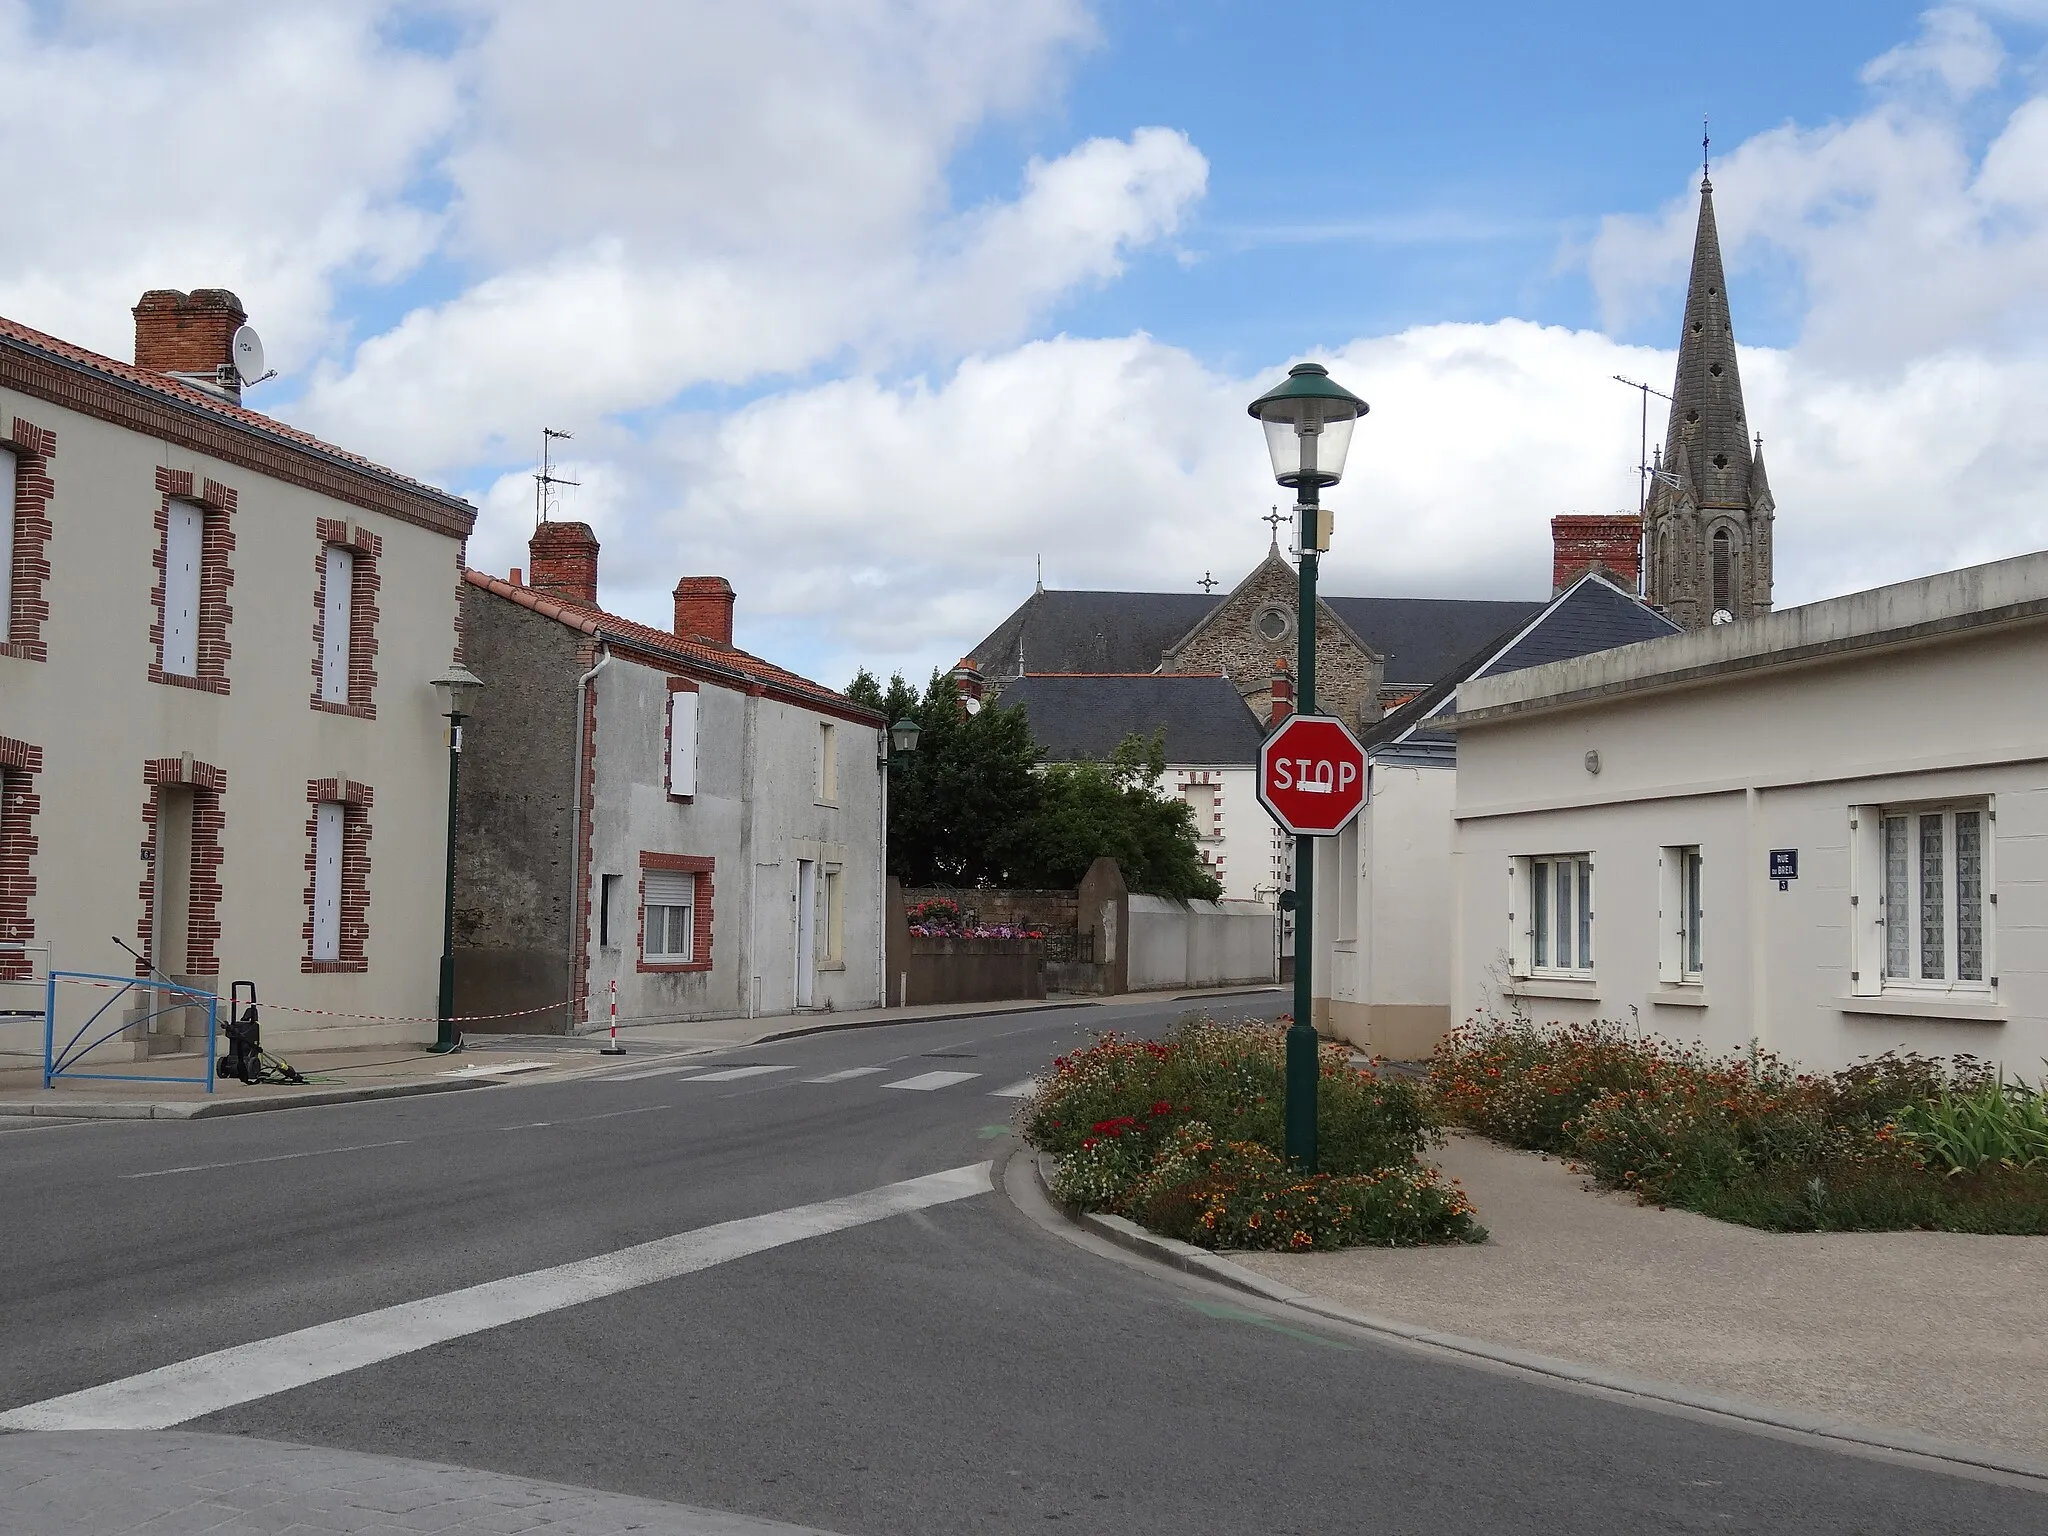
{"x":1187,"y":1136}
{"x":1895,"y":1142}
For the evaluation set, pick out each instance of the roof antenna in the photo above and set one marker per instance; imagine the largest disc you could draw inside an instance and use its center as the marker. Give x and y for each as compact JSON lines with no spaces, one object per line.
{"x":1041,"y":573}
{"x":1643,"y":470}
{"x":543,"y":483}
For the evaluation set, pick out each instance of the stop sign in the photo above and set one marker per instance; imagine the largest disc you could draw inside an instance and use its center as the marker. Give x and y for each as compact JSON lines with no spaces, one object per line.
{"x":1312,"y":775}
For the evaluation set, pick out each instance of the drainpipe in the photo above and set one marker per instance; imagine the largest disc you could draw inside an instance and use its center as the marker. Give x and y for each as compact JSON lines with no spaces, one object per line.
{"x":576,"y":827}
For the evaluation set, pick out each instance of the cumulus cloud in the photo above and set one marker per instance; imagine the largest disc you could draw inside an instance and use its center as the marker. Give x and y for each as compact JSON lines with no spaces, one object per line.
{"x":1956,"y":47}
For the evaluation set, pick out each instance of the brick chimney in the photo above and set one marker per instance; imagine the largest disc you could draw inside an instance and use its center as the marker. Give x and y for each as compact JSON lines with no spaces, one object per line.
{"x":563,"y":558}
{"x":1283,"y":693}
{"x":968,"y":680}
{"x":1611,"y":543}
{"x":189,"y":336}
{"x":704,"y":609}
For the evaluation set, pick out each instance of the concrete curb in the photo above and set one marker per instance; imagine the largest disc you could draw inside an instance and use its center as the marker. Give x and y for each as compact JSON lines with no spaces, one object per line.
{"x":211,"y":1109}
{"x":1189,"y":1259}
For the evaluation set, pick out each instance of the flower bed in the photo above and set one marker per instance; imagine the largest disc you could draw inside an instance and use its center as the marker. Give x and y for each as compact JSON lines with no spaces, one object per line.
{"x":940,"y":917}
{"x":1898,"y":1141}
{"x":1186,"y":1135}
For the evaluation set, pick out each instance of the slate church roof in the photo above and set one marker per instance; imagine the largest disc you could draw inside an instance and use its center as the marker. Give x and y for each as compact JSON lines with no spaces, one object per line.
{"x":1590,"y":615}
{"x":1419,"y":638}
{"x":1077,"y":716}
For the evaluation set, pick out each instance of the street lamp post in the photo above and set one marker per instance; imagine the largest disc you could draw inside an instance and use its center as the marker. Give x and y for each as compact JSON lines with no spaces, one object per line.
{"x":458,"y":687}
{"x":897,"y":744}
{"x":1308,"y":422}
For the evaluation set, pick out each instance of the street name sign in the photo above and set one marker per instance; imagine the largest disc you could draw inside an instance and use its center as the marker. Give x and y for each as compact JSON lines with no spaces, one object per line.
{"x":1312,"y":776}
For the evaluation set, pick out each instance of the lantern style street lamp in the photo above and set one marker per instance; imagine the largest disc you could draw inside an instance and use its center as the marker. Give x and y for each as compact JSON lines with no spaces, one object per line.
{"x":458,"y":687}
{"x":1308,"y":422}
{"x":903,"y":736}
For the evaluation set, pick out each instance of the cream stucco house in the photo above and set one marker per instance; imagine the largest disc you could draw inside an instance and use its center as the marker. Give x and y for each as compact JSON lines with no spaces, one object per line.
{"x":1825,"y":829}
{"x":218,"y":738}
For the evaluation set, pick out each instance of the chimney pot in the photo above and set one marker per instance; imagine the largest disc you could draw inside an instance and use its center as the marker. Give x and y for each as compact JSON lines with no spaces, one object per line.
{"x":518,"y":577}
{"x":704,"y":609}
{"x":1610,"y":542}
{"x":564,"y":562}
{"x":189,"y":335}
{"x":967,"y":679}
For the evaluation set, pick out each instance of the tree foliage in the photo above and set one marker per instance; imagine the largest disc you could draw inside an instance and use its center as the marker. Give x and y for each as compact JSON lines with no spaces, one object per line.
{"x":974,"y":805}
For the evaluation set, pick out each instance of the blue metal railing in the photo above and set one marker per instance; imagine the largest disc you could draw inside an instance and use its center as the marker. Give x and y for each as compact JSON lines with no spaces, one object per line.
{"x":63,"y":1063}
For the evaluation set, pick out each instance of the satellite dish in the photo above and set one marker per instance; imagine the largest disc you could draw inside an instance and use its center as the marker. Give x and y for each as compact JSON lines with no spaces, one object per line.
{"x":971,"y":705}
{"x":247,"y":349}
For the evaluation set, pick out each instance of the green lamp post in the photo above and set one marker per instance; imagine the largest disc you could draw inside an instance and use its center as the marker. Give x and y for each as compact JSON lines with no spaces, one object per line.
{"x":458,"y":687}
{"x":1308,"y":422}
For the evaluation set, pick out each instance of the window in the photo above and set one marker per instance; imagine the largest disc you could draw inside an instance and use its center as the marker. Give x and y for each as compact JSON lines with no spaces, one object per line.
{"x":669,"y":902}
{"x":1934,"y":895}
{"x":828,"y":763}
{"x":328,"y":817}
{"x":682,"y":744}
{"x":832,"y":919}
{"x":8,"y":466}
{"x":337,"y":607}
{"x":183,"y":544}
{"x":1556,"y":893}
{"x":1724,"y":571}
{"x":608,"y":911}
{"x":1681,"y":952}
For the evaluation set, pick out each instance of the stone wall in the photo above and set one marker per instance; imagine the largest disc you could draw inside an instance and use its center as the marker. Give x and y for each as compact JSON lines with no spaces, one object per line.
{"x":993,"y":908}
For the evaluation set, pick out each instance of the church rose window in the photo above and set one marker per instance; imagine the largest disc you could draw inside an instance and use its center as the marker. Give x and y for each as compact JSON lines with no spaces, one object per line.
{"x":1272,"y":623}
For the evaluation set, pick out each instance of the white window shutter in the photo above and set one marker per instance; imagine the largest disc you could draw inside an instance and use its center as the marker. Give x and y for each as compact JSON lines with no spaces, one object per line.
{"x":1670,"y":916}
{"x":7,"y":470}
{"x":1520,"y":952}
{"x":1866,"y":901}
{"x":337,"y":611}
{"x":682,"y":743}
{"x":327,"y":824}
{"x":182,"y":552}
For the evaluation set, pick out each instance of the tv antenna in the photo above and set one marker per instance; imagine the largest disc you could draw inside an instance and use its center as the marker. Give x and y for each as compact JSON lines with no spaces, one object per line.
{"x":1643,"y":470}
{"x":545,"y":482}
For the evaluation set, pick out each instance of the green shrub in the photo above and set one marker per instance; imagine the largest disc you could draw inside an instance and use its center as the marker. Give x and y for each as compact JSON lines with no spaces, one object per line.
{"x":1187,"y":1136}
{"x":1525,"y":1085}
{"x":1962,"y":1130}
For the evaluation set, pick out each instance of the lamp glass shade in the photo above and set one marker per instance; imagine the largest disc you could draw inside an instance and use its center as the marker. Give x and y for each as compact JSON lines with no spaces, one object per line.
{"x":458,"y":687}
{"x":1308,"y":422}
{"x":903,"y":735}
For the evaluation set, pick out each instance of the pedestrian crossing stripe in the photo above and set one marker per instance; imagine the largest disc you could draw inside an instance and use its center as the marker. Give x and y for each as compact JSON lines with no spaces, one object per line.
{"x":848,"y":1075}
{"x":925,"y":1082}
{"x":1022,"y":1090}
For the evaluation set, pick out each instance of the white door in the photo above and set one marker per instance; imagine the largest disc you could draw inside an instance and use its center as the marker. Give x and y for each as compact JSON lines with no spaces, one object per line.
{"x":806,"y":930}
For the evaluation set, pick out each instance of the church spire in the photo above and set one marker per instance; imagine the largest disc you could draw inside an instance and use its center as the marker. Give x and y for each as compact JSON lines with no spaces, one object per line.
{"x":1707,"y":529}
{"x":1709,"y":428}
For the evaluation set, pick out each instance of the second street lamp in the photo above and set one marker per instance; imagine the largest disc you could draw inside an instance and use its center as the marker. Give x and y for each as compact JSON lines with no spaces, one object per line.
{"x":458,"y":687}
{"x":1308,"y":422}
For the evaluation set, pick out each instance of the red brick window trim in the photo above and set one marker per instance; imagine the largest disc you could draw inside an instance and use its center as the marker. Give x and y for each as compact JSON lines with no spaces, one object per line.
{"x":352,"y":886}
{"x":364,"y":547}
{"x":19,"y":765}
{"x":216,"y":576}
{"x":21,"y":624}
{"x":679,"y":778}
{"x":702,"y":870}
{"x":202,"y":899}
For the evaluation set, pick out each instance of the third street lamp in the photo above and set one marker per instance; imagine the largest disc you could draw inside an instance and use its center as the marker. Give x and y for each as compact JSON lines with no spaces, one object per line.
{"x":1308,"y":423}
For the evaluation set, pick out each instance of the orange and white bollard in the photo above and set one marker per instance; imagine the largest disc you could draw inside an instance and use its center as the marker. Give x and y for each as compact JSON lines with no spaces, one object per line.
{"x":614,"y":1049}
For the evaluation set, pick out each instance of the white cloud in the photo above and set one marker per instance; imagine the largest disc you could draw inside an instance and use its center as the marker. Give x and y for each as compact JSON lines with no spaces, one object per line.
{"x":209,"y":144}
{"x":1955,"y":46}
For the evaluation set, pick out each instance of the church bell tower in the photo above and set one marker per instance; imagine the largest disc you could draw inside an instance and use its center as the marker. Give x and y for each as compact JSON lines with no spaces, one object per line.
{"x":1707,"y":524}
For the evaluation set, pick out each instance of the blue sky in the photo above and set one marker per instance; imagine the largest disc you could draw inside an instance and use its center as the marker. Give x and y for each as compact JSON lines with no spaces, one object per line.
{"x":868,"y":307}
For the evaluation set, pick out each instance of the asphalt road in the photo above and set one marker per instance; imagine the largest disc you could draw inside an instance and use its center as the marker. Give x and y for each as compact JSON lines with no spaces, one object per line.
{"x":957,"y":1368}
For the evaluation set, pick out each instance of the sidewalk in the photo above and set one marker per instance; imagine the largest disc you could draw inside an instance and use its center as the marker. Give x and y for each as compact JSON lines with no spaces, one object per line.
{"x":1938,"y":1334}
{"x":375,"y":1072}
{"x":104,"y":1482}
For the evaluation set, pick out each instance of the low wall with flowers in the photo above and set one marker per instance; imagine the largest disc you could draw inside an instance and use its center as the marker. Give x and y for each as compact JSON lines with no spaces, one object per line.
{"x":941,"y":952}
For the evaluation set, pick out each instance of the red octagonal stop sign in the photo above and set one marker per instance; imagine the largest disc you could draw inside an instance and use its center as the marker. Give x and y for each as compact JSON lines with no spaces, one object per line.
{"x":1312,"y":775}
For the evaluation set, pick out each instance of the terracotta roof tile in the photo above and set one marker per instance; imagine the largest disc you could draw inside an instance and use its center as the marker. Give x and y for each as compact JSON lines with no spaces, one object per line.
{"x":718,"y":660}
{"x":238,"y":415}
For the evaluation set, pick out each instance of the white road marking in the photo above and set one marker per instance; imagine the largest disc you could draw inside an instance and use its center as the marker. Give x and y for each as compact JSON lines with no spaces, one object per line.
{"x":611,"y":1114}
{"x":190,"y":1389}
{"x":634,"y":1077}
{"x":1022,"y":1090}
{"x":247,"y":1162}
{"x":848,"y":1074}
{"x":732,"y":1073}
{"x":926,"y":1082}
